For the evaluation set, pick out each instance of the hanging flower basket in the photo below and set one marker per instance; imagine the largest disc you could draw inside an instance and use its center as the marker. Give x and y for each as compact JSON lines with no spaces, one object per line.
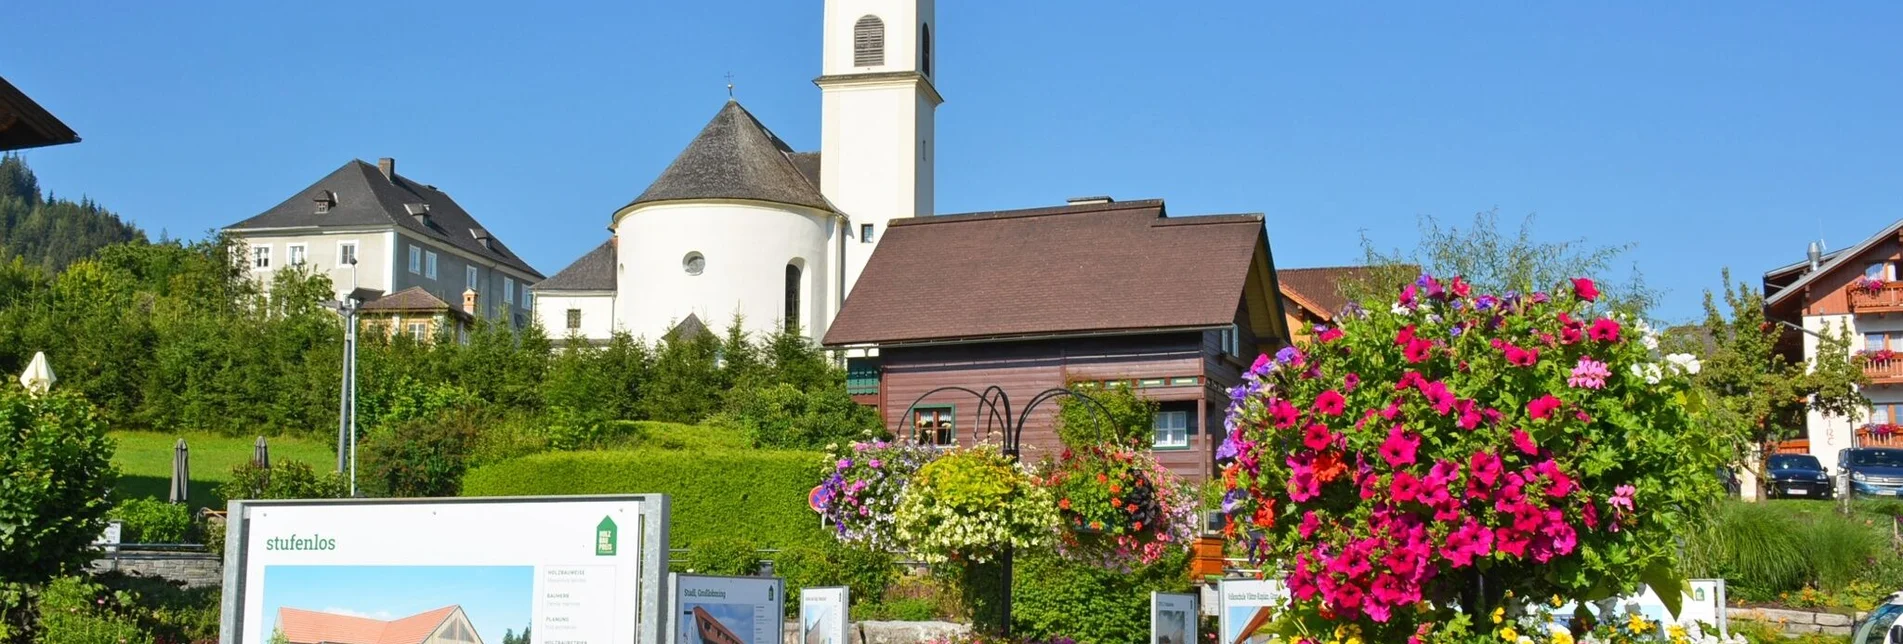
{"x":1116,"y":505}
{"x":1868,"y":284}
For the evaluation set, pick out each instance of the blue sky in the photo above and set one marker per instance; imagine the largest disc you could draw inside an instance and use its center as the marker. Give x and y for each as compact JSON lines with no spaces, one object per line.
{"x":496,"y":598}
{"x":1710,"y":135}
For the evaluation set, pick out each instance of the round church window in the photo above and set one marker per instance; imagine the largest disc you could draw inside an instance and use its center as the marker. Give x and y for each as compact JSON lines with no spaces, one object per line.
{"x":694,"y":263}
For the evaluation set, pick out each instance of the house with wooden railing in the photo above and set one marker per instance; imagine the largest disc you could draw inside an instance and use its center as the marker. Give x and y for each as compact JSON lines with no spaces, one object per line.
{"x":1855,"y":290}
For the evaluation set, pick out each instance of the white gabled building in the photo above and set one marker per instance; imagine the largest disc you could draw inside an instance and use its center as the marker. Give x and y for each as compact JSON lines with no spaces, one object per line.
{"x":741,"y":225}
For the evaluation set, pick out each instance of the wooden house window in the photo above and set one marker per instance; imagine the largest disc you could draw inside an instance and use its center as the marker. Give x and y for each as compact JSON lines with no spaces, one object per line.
{"x":868,"y":42}
{"x":933,"y":426}
{"x":1172,"y":429}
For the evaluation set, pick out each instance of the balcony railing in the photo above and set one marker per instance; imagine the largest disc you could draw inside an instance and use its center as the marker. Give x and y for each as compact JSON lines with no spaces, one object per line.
{"x":1879,"y":435}
{"x":1884,"y":298}
{"x":1885,"y":371}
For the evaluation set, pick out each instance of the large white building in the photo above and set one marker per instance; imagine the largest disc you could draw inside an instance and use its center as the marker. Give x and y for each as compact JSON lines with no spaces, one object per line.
{"x":741,"y":225}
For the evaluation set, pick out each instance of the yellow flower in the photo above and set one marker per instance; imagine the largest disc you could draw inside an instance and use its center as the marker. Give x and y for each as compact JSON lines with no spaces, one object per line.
{"x":1562,"y":636}
{"x":1499,"y":614}
{"x":1354,"y":639}
{"x":1509,"y":634}
{"x":1556,"y":601}
{"x":1638,"y":624}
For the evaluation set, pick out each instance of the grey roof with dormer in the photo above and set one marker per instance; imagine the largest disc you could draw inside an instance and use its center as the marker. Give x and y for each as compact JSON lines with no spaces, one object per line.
{"x":735,"y":157}
{"x":364,"y":197}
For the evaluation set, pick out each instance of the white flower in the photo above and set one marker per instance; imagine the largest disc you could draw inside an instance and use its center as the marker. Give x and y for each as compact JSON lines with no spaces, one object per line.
{"x":1649,"y":372}
{"x":1684,"y":362}
{"x":1400,"y":310}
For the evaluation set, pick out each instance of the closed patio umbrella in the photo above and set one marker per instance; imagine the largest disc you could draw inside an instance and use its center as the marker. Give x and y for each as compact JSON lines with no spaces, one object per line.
{"x":181,"y":472}
{"x":261,"y":455}
{"x":38,"y":376}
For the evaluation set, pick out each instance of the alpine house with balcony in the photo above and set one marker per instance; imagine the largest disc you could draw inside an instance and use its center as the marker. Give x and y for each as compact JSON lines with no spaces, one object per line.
{"x":1854,"y":289}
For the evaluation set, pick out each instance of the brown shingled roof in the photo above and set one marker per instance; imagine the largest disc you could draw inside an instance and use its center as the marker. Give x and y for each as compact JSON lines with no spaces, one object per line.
{"x":1119,"y":266}
{"x":313,"y":627}
{"x":412,"y":299}
{"x":1319,"y":289}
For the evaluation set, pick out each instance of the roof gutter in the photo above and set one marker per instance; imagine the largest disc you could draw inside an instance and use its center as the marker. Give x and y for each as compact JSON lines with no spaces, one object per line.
{"x":1024,"y":337}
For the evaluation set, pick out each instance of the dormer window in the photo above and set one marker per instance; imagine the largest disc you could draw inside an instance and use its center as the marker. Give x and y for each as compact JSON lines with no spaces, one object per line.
{"x":420,"y":211}
{"x":868,"y":42}
{"x":324,"y":200}
{"x":483,"y":237}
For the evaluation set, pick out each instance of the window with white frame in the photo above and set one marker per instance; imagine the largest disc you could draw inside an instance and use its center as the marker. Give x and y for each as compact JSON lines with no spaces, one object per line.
{"x":469,"y":276}
{"x":574,"y":319}
{"x":528,"y":299}
{"x":933,"y":426}
{"x":346,"y":253}
{"x":1172,"y":429}
{"x":508,"y":290}
{"x":416,"y":260}
{"x":429,"y":264}
{"x":261,"y":257}
{"x":417,"y":331}
{"x":294,"y":254}
{"x":1879,"y":271}
{"x":1231,"y":341}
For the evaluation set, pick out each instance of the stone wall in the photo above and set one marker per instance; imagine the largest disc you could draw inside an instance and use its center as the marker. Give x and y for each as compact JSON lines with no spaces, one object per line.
{"x":193,"y":567}
{"x":1793,"y":622}
{"x":888,"y":632}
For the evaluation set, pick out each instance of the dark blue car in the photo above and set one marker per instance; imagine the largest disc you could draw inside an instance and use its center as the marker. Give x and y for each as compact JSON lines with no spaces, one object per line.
{"x":1874,"y":471}
{"x":1799,"y":476}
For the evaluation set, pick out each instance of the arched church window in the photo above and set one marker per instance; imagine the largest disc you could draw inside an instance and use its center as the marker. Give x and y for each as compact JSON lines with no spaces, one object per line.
{"x":925,"y":49}
{"x":868,"y":42}
{"x":792,"y":297}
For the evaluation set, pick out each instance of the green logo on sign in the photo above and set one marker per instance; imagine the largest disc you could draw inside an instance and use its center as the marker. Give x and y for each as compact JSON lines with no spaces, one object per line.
{"x":605,"y":537}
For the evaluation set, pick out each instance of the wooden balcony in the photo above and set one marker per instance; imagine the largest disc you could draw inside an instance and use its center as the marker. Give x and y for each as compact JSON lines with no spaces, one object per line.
{"x":1884,"y":372}
{"x":1870,"y":436}
{"x":1884,"y":299}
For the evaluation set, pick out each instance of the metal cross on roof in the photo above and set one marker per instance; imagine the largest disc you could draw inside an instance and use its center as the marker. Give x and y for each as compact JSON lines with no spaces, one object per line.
{"x":729,"y":85}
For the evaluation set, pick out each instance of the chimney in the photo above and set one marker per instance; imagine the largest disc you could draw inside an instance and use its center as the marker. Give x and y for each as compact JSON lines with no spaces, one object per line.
{"x":1085,"y":201}
{"x":387,"y":166}
{"x":1816,"y":255}
{"x":469,"y":301}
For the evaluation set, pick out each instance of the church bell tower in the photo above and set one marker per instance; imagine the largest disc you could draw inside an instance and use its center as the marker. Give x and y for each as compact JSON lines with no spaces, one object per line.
{"x":877,"y":108}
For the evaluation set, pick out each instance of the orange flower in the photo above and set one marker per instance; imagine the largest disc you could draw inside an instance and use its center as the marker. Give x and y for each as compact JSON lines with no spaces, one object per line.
{"x":1063,"y":504}
{"x":1228,"y":528}
{"x":1116,"y":489}
{"x":1265,"y":515}
{"x":1136,"y":526}
{"x":1103,"y":478}
{"x":1116,"y":503}
{"x":1328,"y":467}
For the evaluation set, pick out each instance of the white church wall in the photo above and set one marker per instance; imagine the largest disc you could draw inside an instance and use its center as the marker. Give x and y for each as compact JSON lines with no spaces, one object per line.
{"x":901,"y":19}
{"x":872,"y":143}
{"x":745,"y":246}
{"x":597,"y":314}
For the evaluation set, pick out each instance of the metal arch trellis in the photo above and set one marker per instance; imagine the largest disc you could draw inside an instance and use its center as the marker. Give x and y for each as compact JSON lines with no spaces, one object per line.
{"x":994,"y":409}
{"x":994,"y":406}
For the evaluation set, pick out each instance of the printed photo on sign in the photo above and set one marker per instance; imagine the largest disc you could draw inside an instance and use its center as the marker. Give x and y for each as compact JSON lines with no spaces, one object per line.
{"x":1248,"y":605}
{"x":1172,"y":618}
{"x":823,"y":615}
{"x":727,"y":610}
{"x":418,"y":604}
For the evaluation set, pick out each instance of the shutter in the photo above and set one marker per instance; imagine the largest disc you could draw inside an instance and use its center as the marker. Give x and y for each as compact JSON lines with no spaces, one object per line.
{"x":868,"y":42}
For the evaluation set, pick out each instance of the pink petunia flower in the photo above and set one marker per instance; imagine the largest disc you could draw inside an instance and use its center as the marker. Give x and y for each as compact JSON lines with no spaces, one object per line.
{"x":1585,"y":289}
{"x":1604,"y":330}
{"x":1542,"y":407}
{"x":1418,"y":350}
{"x":1438,"y":397}
{"x":1524,"y":442}
{"x":1330,"y":335}
{"x":1589,"y":374}
{"x":1282,"y":413}
{"x":1398,"y":449}
{"x":1485,"y":467}
{"x":1309,"y":524}
{"x":1330,"y":403}
{"x":1317,"y":437}
{"x":1350,"y":381}
{"x":1405,"y":487}
{"x":1302,"y":484}
{"x":1404,"y":336}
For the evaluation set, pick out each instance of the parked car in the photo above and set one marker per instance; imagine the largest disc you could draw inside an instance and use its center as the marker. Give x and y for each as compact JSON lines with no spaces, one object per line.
{"x":1874,"y":471}
{"x":1880,"y":626}
{"x":1799,"y":475}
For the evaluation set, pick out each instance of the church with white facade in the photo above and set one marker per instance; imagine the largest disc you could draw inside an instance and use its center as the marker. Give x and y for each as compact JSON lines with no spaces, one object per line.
{"x":795,"y":229}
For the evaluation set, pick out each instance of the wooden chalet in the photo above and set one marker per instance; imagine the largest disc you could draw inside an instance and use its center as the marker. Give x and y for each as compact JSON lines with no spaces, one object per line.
{"x":24,"y":124}
{"x":1094,"y":292}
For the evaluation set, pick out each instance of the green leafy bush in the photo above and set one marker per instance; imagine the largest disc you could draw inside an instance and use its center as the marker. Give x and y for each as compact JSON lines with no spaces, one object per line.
{"x":1127,"y":419}
{"x":170,"y":612}
{"x":56,"y":469}
{"x":1054,"y":596}
{"x":867,"y":573}
{"x":724,"y":556}
{"x":511,"y":436}
{"x":424,"y":456}
{"x":782,"y":415}
{"x":75,"y":610}
{"x":755,"y":495}
{"x":285,"y":479}
{"x":152,"y":521}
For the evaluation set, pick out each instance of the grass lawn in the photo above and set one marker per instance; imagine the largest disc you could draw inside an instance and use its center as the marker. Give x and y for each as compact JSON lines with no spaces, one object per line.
{"x":145,"y":461}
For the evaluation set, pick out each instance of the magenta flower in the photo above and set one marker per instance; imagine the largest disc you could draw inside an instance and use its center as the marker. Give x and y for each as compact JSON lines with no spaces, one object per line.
{"x":1519,"y":357}
{"x":1398,"y":449}
{"x":1604,"y":330}
{"x":1405,"y":487}
{"x":1585,"y":289}
{"x":1282,"y":413}
{"x":1302,"y":484}
{"x":1350,"y":381}
{"x":1542,"y":407}
{"x":1524,"y":442}
{"x":1329,"y":403}
{"x":1589,"y":374}
{"x":1622,"y":497}
{"x":1485,"y":467}
{"x":1309,"y":524}
{"x":1317,"y":437}
{"x":844,"y":463}
{"x":875,"y":463}
{"x":1418,"y":350}
{"x":1438,"y":396}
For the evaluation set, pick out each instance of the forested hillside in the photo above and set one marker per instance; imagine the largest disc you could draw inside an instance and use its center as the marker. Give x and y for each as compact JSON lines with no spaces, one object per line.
{"x":51,"y":233}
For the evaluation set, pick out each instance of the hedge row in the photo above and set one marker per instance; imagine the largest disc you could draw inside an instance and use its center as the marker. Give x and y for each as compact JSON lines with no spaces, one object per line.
{"x":759,"y":496}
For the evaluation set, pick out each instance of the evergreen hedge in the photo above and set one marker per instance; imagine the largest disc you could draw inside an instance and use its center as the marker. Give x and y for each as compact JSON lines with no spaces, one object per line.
{"x":759,"y":496}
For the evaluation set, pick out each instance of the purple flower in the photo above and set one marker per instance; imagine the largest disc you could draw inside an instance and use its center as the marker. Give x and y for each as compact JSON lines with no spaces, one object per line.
{"x":1289,"y":356}
{"x":874,"y":464}
{"x":844,"y":463}
{"x":1230,"y":448}
{"x":1485,"y":302}
{"x":1230,"y":500}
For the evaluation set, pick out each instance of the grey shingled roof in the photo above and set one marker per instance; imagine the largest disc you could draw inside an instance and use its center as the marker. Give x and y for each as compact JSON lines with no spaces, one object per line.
{"x":595,"y":271}
{"x":735,"y":157}
{"x":365,"y":198}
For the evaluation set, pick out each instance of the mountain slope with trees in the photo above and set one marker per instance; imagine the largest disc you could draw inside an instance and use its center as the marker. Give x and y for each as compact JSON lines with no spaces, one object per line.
{"x":49,"y":232}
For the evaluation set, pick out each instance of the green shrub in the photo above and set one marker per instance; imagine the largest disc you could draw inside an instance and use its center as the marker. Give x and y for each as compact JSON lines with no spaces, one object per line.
{"x":781,"y":415}
{"x":166,"y":609}
{"x":1053,"y":596}
{"x":56,"y":469}
{"x":1128,"y":419}
{"x":759,"y":496}
{"x":867,"y":573}
{"x":724,"y":556}
{"x":285,"y":479}
{"x":512,"y":436}
{"x":74,"y":610}
{"x":422,"y":457}
{"x":1756,"y":547}
{"x":1839,"y":551}
{"x":675,"y":436}
{"x":152,"y":521}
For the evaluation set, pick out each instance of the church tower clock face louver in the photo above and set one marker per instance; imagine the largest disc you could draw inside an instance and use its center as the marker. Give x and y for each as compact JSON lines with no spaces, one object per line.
{"x":741,"y":225}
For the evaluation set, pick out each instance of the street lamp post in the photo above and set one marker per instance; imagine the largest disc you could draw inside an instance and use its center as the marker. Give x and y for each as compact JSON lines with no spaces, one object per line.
{"x":347,"y":398}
